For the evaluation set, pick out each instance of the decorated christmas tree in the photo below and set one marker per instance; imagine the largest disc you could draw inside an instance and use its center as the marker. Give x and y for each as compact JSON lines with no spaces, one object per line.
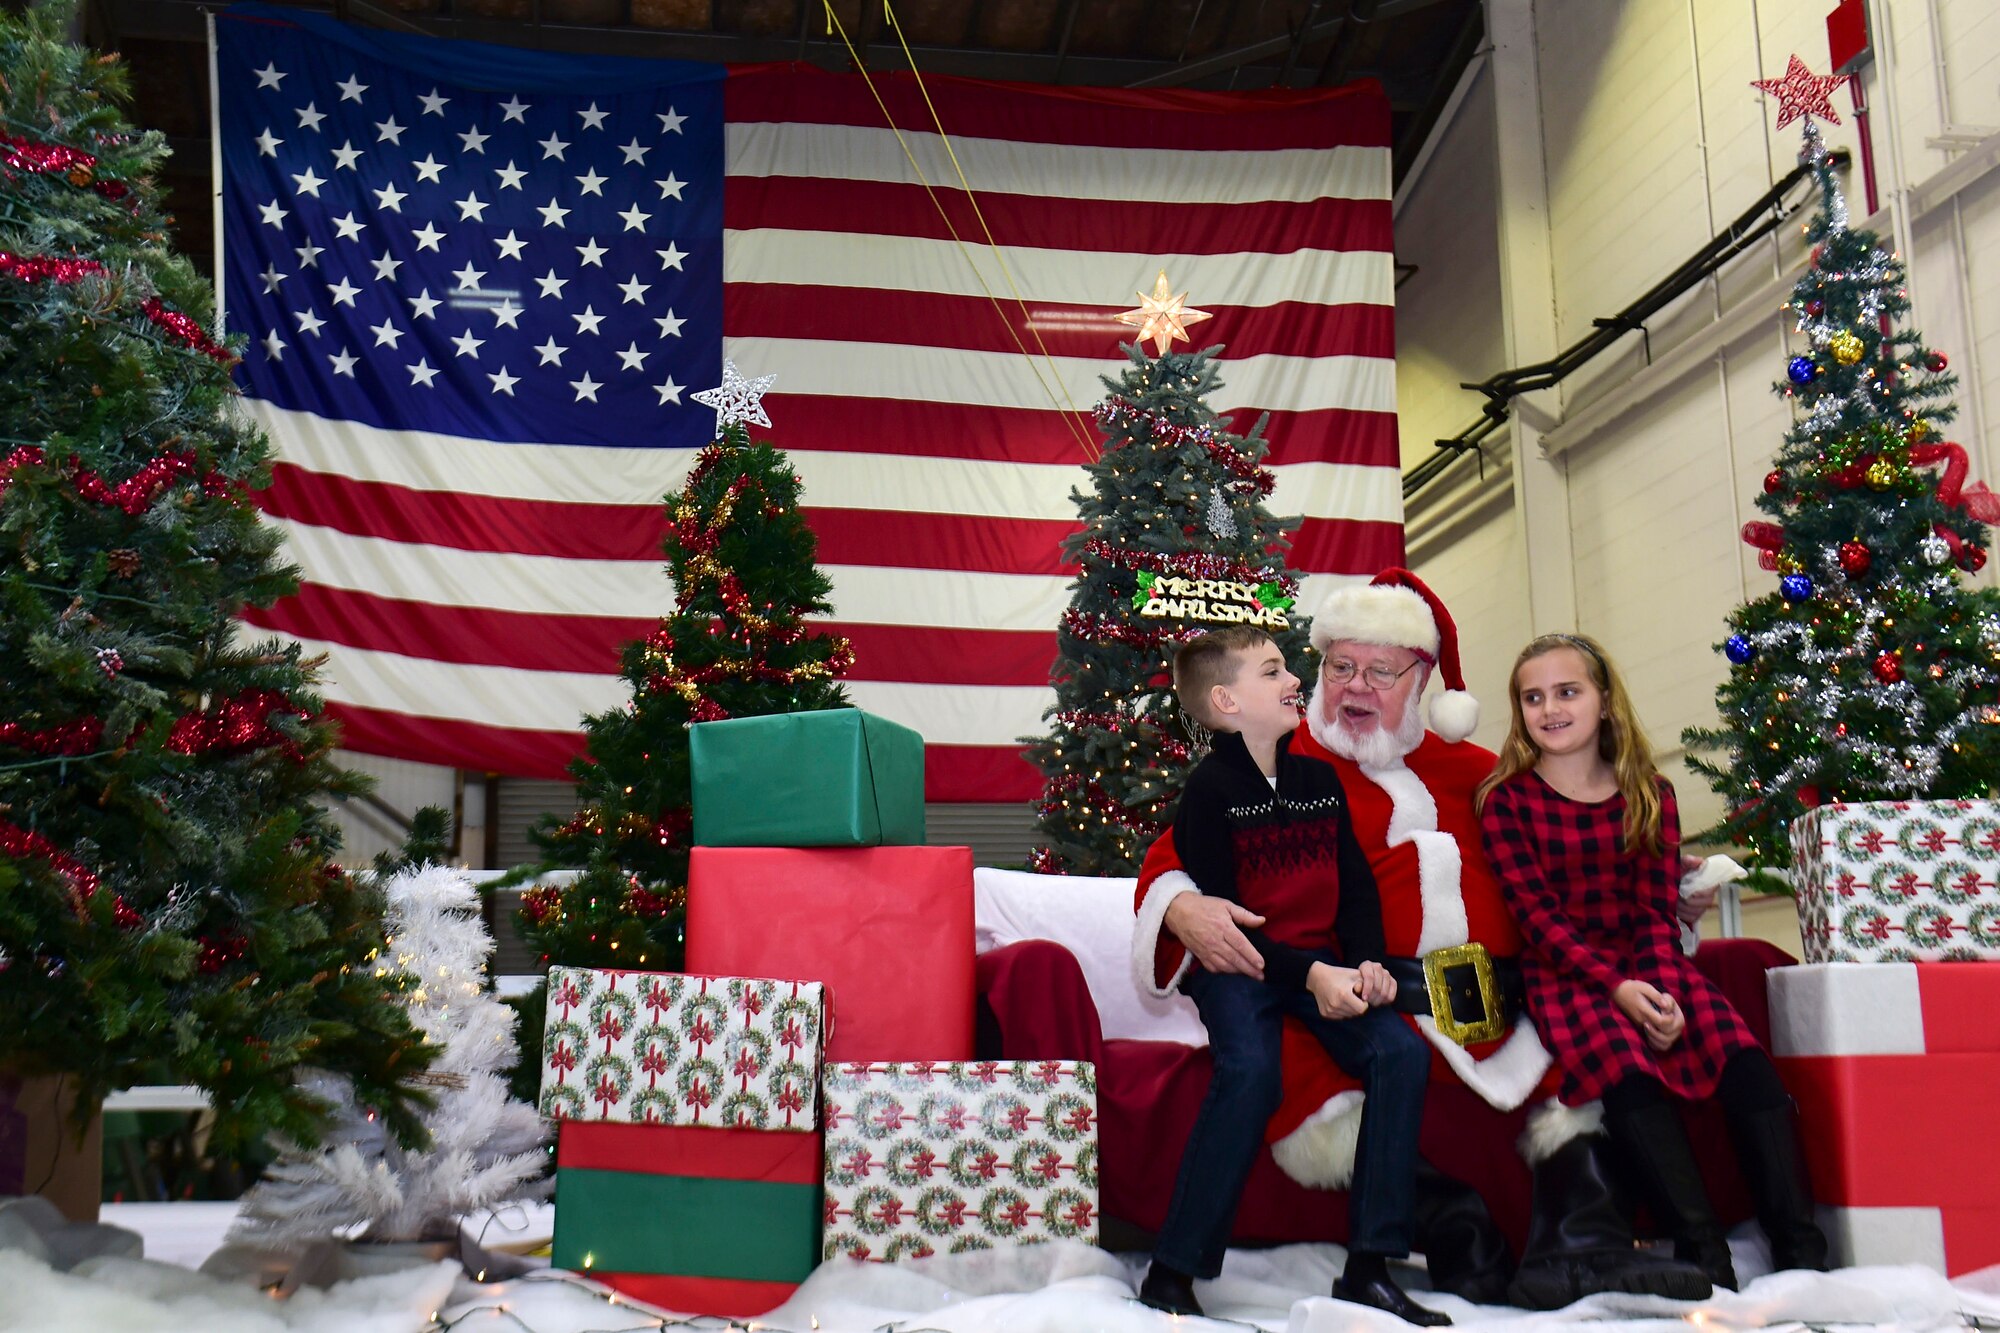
{"x":484,"y":1149}
{"x":741,"y":557}
{"x":167,"y":895}
{"x":1871,"y":672}
{"x":1175,"y":541}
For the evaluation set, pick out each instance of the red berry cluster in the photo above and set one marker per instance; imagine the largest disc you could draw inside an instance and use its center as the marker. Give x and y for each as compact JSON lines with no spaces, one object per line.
{"x":219,"y":952}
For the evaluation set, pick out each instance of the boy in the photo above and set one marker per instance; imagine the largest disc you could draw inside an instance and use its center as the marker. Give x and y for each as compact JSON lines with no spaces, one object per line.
{"x":1269,"y":830}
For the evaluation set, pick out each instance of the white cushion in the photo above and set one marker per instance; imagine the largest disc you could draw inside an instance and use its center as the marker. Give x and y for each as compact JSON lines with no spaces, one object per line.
{"x":1092,"y":918}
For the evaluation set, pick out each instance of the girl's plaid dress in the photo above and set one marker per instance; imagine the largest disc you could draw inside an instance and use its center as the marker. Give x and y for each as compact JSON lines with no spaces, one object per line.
{"x":1593,"y":916}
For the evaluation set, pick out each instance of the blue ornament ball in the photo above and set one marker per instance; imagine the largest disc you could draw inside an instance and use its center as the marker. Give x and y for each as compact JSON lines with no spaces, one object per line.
{"x":1739,"y":650}
{"x":1801,"y":369}
{"x":1796,"y":587}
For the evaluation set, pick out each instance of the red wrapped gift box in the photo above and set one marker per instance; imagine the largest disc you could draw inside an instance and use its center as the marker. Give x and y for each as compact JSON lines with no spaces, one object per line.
{"x":888,"y":931}
{"x":1894,"y":1066}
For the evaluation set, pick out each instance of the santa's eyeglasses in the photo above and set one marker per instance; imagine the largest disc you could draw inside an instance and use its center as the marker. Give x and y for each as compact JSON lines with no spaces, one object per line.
{"x":1376,"y":676}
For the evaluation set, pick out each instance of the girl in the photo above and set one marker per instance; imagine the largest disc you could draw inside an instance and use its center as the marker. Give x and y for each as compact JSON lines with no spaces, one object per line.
{"x":1585,"y":838}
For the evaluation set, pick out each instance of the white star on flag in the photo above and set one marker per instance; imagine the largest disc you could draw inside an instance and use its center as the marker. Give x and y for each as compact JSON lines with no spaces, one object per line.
{"x":737,"y":399}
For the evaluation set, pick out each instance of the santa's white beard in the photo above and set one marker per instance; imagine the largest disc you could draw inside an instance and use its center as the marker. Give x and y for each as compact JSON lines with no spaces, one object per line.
{"x":1377,"y":747}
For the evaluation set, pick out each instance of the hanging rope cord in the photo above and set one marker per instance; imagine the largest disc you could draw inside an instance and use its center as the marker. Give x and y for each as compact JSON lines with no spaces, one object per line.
{"x":1058,"y":396}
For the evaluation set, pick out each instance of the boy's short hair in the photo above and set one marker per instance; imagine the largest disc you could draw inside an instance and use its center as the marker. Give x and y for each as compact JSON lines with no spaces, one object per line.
{"x":1203,"y":663}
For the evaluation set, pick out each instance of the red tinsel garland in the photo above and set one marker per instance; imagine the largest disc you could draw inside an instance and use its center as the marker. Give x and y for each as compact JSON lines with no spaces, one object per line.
{"x":21,"y":844}
{"x":1189,"y":564}
{"x":24,"y":455}
{"x":135,"y":494}
{"x":1087,"y":793}
{"x":241,"y":723}
{"x":1118,"y":411}
{"x":1110,"y":629}
{"x":65,"y":738}
{"x":183,"y":329}
{"x":33,"y":268}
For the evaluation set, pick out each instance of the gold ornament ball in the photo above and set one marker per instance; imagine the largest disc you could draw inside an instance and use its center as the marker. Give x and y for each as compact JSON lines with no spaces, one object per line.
{"x":1882,"y":474}
{"x":1846,"y":347}
{"x":1919,"y":430}
{"x":1788,"y":563}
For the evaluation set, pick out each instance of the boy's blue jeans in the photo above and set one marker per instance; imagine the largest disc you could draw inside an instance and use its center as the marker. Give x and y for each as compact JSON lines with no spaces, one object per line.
{"x":1244,"y":1018}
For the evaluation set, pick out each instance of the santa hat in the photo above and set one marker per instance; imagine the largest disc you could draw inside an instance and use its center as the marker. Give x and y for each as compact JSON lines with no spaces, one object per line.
{"x":1396,"y":609}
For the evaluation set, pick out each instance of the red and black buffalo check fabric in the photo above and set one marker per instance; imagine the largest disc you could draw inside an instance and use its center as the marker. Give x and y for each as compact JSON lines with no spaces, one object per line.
{"x":1593,"y":916}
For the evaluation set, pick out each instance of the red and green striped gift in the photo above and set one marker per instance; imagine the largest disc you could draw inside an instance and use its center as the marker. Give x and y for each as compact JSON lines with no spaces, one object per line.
{"x":694,"y":1219}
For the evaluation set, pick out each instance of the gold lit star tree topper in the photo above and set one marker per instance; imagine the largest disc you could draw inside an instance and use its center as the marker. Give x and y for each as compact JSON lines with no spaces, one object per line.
{"x":1163,"y":316}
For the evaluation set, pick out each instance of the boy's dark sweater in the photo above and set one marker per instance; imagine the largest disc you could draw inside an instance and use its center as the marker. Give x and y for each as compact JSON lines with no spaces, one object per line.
{"x":1289,"y":855}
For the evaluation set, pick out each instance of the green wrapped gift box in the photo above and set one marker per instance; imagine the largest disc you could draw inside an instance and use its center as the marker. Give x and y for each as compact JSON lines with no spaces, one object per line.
{"x":708,"y":1221}
{"x":838,"y":777}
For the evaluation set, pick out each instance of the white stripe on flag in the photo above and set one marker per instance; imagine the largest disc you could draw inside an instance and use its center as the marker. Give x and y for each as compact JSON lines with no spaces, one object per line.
{"x":916,"y":264}
{"x":1064,"y":171}
{"x":894,"y":483}
{"x":558,"y":700}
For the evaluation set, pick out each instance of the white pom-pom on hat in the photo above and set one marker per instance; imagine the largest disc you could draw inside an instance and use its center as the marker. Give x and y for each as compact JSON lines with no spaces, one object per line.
{"x":1397,"y":609}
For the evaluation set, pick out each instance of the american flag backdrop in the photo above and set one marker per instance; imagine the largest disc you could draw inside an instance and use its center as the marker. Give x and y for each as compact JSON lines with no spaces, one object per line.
{"x":480,"y":286}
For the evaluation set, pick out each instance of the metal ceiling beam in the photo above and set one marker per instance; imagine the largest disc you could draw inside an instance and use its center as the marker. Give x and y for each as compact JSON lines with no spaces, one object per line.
{"x":1339,"y":52}
{"x":1190,"y":71}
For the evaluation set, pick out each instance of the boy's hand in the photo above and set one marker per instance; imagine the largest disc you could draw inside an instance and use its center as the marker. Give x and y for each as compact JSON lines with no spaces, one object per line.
{"x":1377,"y":986}
{"x":1658,"y":1018}
{"x":1337,"y":990}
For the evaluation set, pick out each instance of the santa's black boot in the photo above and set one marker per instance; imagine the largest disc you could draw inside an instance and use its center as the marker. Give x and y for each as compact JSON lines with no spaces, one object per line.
{"x":1767,"y":1153}
{"x":1580,"y":1237}
{"x":1466,"y":1254}
{"x":1653,"y":1146}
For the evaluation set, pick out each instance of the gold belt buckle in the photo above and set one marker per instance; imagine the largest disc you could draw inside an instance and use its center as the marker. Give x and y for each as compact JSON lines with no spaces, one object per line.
{"x":1437,"y":962}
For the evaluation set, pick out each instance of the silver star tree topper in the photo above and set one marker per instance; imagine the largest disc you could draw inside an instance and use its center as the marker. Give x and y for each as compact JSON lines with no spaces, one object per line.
{"x":737,"y":399}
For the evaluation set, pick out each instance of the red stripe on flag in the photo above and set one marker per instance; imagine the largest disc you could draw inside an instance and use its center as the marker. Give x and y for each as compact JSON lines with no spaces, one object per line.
{"x":890,"y":208}
{"x":952,"y":773}
{"x":973,"y":323}
{"x":895,"y":539}
{"x":465,"y":522}
{"x":843,"y":424}
{"x":1158,"y":119}
{"x":479,"y":636}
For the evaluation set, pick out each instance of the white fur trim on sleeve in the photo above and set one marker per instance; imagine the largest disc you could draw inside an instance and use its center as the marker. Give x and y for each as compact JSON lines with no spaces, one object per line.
{"x":1146,"y":930}
{"x":1552,"y":1124}
{"x":1319,"y":1154}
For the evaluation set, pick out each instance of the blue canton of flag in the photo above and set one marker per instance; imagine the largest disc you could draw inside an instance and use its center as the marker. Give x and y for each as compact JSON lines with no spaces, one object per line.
{"x":421,"y":254}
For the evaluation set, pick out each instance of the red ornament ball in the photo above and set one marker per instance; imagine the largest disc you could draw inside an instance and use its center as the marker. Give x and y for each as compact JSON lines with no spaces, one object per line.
{"x":1774,"y":480}
{"x":1888,"y":669}
{"x":1815,"y":308}
{"x":1808,"y":796}
{"x":1972,"y":559}
{"x":1935,"y":363}
{"x":1817,"y":251}
{"x":1855,"y":558}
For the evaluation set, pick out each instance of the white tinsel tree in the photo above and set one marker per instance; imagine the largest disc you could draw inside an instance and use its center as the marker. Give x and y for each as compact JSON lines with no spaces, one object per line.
{"x":486,"y":1149}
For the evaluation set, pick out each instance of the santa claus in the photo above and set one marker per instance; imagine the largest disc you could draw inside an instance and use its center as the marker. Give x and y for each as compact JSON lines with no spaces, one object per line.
{"x":1410,"y":794}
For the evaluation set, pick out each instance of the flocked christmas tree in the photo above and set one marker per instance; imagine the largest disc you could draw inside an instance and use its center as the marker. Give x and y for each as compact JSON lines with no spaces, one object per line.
{"x":1871,"y":672}
{"x":484,"y":1149}
{"x":167,"y":901}
{"x":742,"y":560}
{"x":1175,"y":541}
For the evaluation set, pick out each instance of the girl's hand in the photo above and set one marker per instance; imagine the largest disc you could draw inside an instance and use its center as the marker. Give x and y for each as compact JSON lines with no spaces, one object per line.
{"x":1658,"y":1018}
{"x":1337,"y":990}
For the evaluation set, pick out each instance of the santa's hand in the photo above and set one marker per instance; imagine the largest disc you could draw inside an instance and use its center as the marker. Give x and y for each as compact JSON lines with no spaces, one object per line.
{"x":1212,"y":930}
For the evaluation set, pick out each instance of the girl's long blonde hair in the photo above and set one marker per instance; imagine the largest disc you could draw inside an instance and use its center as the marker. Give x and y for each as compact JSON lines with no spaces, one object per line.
{"x":1620,"y":739}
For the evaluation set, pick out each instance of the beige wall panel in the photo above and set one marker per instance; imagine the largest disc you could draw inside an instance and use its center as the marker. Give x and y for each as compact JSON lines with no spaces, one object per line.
{"x":400,"y":784}
{"x":1448,"y":314}
{"x":1466,"y":544}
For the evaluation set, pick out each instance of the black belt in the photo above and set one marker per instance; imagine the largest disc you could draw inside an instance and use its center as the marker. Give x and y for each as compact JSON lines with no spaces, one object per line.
{"x":1472,"y":995}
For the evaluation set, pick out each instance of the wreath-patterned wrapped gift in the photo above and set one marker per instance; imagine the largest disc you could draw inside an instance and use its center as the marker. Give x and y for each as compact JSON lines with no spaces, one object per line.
{"x":935,"y":1157}
{"x":1899,"y":881}
{"x":657,"y":1048}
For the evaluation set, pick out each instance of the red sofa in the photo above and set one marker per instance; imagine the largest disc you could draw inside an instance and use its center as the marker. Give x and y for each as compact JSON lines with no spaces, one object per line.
{"x":1034,"y":1004}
